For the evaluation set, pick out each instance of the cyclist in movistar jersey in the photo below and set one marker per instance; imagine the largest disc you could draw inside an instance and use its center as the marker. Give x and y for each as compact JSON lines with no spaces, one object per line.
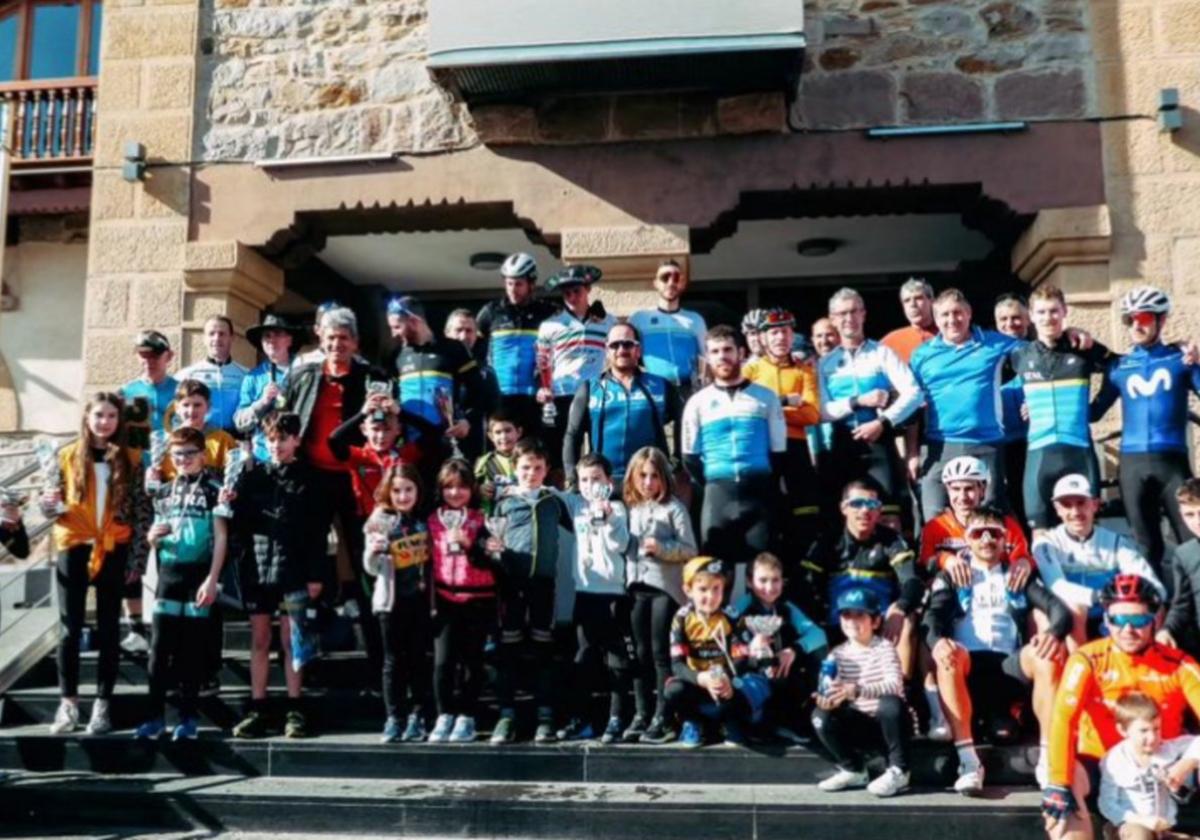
{"x":672,"y":337}
{"x":1153,"y":383}
{"x":508,"y":339}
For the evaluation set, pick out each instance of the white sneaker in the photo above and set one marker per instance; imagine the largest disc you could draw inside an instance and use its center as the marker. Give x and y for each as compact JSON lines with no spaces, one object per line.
{"x":101,"y":723}
{"x":464,"y":730}
{"x":940,"y":732}
{"x":66,"y":719}
{"x":970,"y":782}
{"x":442,"y":729}
{"x":892,"y":781}
{"x":843,"y":780}
{"x":135,"y":643}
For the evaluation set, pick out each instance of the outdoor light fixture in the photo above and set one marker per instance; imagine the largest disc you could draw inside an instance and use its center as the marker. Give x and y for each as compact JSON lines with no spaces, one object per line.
{"x":133,"y":167}
{"x":1170,"y":115}
{"x":487,"y":261}
{"x":934,"y":130}
{"x":333,"y":160}
{"x":819,"y":247}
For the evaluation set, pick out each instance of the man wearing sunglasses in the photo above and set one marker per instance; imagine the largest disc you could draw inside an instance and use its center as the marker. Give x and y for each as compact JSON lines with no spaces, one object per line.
{"x":1083,"y":725}
{"x":674,"y":337}
{"x":622,"y":410}
{"x":1153,"y":383}
{"x":982,"y":648}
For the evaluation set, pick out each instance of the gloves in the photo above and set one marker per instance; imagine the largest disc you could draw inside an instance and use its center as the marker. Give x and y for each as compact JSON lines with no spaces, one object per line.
{"x":1057,"y":801}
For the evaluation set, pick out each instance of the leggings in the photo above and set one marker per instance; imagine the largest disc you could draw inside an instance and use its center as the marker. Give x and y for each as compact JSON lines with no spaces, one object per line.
{"x":71,"y":581}
{"x":177,"y":657}
{"x":847,"y":733}
{"x":405,"y":632}
{"x":461,"y":630}
{"x":1148,"y":485}
{"x":651,"y":616}
{"x":604,"y":655}
{"x":526,"y":609}
{"x":736,"y":518}
{"x":1043,"y":468}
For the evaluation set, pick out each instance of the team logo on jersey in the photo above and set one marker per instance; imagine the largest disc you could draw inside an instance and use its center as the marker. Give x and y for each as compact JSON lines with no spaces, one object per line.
{"x":1139,"y":386}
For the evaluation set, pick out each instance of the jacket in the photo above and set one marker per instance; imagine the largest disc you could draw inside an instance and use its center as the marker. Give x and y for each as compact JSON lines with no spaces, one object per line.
{"x":600,"y":547}
{"x":248,"y":417}
{"x":1183,"y":617}
{"x":461,"y":576}
{"x":400,"y":571}
{"x":531,"y":538}
{"x":500,"y":471}
{"x":785,"y":380}
{"x":671,"y":526}
{"x":305,"y":381}
{"x":104,"y":529}
{"x":276,"y":521}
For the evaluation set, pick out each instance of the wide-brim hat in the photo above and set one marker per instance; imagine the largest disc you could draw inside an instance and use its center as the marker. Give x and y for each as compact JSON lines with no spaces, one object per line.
{"x":273,"y":321}
{"x":575,"y":275}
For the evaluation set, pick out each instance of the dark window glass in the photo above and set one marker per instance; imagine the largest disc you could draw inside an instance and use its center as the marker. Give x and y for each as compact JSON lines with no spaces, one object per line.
{"x":8,"y":46}
{"x":54,"y":43}
{"x":93,"y":68}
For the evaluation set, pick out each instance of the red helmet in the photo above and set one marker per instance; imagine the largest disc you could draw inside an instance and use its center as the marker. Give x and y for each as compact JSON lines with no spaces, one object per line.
{"x":1130,"y":589}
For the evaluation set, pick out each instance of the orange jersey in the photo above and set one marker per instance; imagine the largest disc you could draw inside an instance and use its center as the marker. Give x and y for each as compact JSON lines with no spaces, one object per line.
{"x":943,"y":537}
{"x":785,"y":380}
{"x":1095,"y":676}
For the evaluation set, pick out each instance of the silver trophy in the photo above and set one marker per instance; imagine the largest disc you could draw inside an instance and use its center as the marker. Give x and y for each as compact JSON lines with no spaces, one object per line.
{"x":162,"y":515}
{"x":497,"y":526}
{"x":158,"y":450}
{"x":12,"y":497}
{"x":760,"y":626}
{"x":47,"y":457}
{"x":445,"y":406}
{"x":452,"y":520}
{"x":597,"y":494}
{"x":550,"y":414}
{"x":381,"y":523}
{"x":379,"y":386}
{"x":236,"y":462}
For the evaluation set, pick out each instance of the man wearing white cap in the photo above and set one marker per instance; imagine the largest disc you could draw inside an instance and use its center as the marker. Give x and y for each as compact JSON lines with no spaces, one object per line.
{"x":1077,"y":558}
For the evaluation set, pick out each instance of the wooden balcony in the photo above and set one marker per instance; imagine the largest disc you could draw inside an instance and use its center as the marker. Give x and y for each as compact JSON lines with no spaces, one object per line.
{"x":54,"y":121}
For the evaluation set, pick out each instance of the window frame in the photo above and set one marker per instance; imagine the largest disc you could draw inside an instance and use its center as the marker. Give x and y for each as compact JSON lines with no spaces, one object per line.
{"x":23,"y":11}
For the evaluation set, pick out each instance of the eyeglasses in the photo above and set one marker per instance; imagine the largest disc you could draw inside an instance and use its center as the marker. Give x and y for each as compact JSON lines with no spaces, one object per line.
{"x":861,"y":503}
{"x":184,"y":454}
{"x":1138,"y":621}
{"x":1142,"y":319}
{"x":985,"y":531}
{"x":624,"y":344}
{"x":669,"y":275}
{"x":846,"y":313}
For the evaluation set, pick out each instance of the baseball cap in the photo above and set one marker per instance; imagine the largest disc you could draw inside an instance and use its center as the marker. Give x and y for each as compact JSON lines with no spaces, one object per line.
{"x":1073,"y":485}
{"x":152,"y":340}
{"x":858,"y":598}
{"x":406,"y":306}
{"x":702,"y":565}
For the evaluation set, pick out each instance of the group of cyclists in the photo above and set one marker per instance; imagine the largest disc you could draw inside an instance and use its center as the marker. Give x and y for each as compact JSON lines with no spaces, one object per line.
{"x":918,"y":514}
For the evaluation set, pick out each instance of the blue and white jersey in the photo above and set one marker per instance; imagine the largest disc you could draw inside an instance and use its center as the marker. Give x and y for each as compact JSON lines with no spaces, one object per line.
{"x":225,"y":383}
{"x":734,"y":430}
{"x":246,"y":419}
{"x":1153,"y":384}
{"x":1077,"y":570}
{"x":571,"y":350}
{"x":622,"y":421}
{"x":847,"y":373}
{"x":672,"y":342}
{"x":961,"y":383}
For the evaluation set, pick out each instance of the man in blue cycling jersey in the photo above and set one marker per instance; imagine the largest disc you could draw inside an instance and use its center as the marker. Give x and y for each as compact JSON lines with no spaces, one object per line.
{"x":507,"y":343}
{"x":219,"y":372}
{"x":672,"y":337}
{"x":264,"y":386}
{"x":734,"y":444}
{"x":1153,"y":383}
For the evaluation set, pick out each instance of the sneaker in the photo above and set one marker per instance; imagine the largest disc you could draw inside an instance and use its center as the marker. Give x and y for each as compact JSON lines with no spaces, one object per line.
{"x":101,"y":722}
{"x":940,"y":732}
{"x":414,"y":730}
{"x":970,"y":782}
{"x":441,"y":729}
{"x":253,"y":725}
{"x":295,"y":725}
{"x":844,"y":780}
{"x":464,"y":730}
{"x":636,"y":729}
{"x":187,"y":730}
{"x":545,"y":732}
{"x":211,"y":687}
{"x":892,"y":781}
{"x":392,"y":730}
{"x":134,"y":642}
{"x":576,"y":730}
{"x":612,"y":732}
{"x":659,"y":732}
{"x":692,"y":736}
{"x":150,"y":730}
{"x":66,"y":719}
{"x":734,"y":736}
{"x":505,"y":731}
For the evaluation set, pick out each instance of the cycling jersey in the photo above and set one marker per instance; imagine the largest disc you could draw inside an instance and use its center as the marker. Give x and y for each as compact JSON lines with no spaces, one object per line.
{"x":943,"y":537}
{"x":184,"y":556}
{"x":619,"y":421}
{"x":508,"y":340}
{"x":797,"y":631}
{"x":672,"y":342}
{"x":904,"y":340}
{"x":847,"y":373}
{"x":1012,"y":397}
{"x":883,"y":563}
{"x":699,"y":643}
{"x":1077,"y":570}
{"x":570,"y":351}
{"x":1056,"y":383}
{"x":1153,"y":384}
{"x":224,"y":383}
{"x":430,"y":376}
{"x":986,"y":617}
{"x":732,"y":431}
{"x":786,"y":379}
{"x":145,"y":404}
{"x":961,"y":384}
{"x":247,"y":418}
{"x":1094,"y":677}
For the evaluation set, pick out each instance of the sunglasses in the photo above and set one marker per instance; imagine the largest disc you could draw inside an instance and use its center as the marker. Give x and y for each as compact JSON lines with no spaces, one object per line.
{"x":979,"y":533}
{"x":184,"y":454}
{"x":1138,"y":621}
{"x":859,"y":503}
{"x":625,"y":344}
{"x":1142,"y":319}
{"x":670,"y":275}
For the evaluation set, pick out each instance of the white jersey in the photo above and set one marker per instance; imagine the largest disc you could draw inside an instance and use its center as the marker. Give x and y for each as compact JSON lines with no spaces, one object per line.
{"x":1077,"y":570}
{"x":1127,"y":789}
{"x":988,"y":624}
{"x":570,"y":351}
{"x":225,"y":387}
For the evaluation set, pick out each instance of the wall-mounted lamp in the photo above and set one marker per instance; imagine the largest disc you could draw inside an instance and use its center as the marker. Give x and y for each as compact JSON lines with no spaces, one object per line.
{"x":1170,"y":115}
{"x":133,"y":169}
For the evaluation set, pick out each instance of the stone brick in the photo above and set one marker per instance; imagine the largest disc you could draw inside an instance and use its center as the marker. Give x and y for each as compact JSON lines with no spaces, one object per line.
{"x":1179,"y":26}
{"x":855,"y":98}
{"x":165,"y":193}
{"x":751,"y":113}
{"x":839,"y":58}
{"x":135,"y":246}
{"x":645,"y":117}
{"x":1132,"y":148}
{"x":120,"y":86}
{"x":167,"y":136}
{"x":933,"y":97}
{"x":112,"y":197}
{"x":505,"y":124}
{"x":157,"y":301}
{"x":906,"y":50}
{"x":169,"y":85}
{"x":992,"y":59}
{"x":946,"y":20}
{"x":1185,"y":261}
{"x":141,"y":34}
{"x":1008,"y":20}
{"x":1057,"y":93}
{"x":107,"y":301}
{"x":107,"y":357}
{"x":697,"y":115}
{"x":575,"y":119}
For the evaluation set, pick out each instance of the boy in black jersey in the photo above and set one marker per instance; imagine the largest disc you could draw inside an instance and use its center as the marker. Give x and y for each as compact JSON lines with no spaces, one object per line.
{"x":190,"y":547}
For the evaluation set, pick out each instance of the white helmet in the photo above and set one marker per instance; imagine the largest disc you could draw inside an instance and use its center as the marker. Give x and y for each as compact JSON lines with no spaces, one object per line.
{"x":752,"y":321}
{"x":965,"y":468}
{"x":1145,"y":299}
{"x":520,"y":265}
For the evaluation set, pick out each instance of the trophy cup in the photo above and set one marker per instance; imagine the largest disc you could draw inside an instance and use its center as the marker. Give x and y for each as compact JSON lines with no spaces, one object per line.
{"x":281,"y":399}
{"x":12,"y":498}
{"x":763,"y":626}
{"x":47,"y":458}
{"x":378,"y":386}
{"x":596,"y":495}
{"x":549,"y":414}
{"x":496,"y":526}
{"x":236,"y":462}
{"x":158,"y":449}
{"x":445,"y":406}
{"x":452,"y":520}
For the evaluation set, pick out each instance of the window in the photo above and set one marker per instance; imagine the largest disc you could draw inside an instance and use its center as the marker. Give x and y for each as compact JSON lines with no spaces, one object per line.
{"x":49,"y":39}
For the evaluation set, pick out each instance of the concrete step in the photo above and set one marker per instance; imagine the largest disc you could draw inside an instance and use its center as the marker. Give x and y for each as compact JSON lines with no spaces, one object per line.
{"x":433,"y":808}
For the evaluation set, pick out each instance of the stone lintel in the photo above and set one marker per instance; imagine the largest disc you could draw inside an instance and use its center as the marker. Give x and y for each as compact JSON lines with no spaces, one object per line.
{"x":626,"y":253}
{"x":232,"y":268}
{"x":1074,"y":242}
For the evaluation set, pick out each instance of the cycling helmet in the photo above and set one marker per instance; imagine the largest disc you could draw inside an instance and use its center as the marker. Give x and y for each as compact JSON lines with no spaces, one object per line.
{"x":1130,"y":589}
{"x":753,"y":320}
{"x":520,"y":265}
{"x":1145,"y":299}
{"x":776,"y":316}
{"x":965,"y":468}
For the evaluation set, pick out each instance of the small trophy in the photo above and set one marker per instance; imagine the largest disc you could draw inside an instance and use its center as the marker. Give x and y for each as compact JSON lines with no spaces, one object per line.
{"x":281,"y":399}
{"x":236,"y":462}
{"x":496,"y":526}
{"x":12,"y":497}
{"x":445,"y":406}
{"x":158,"y":449}
{"x":379,"y":386}
{"x":47,"y":458}
{"x":596,"y":495}
{"x":550,"y":414}
{"x":760,"y":626}
{"x":162,"y":514}
{"x":452,"y":520}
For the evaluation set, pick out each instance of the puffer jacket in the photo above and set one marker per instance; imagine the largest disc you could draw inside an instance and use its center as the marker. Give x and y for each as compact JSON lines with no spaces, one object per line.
{"x":461,"y":576}
{"x":531,"y":543}
{"x":278,"y":542}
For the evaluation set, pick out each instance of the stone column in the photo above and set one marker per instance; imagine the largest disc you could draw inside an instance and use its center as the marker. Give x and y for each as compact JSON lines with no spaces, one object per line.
{"x":628,"y":256}
{"x":230,"y":279}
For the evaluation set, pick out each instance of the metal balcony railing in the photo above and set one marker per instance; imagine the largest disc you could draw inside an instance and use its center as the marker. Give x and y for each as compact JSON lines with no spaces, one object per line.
{"x":54,"y":120}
